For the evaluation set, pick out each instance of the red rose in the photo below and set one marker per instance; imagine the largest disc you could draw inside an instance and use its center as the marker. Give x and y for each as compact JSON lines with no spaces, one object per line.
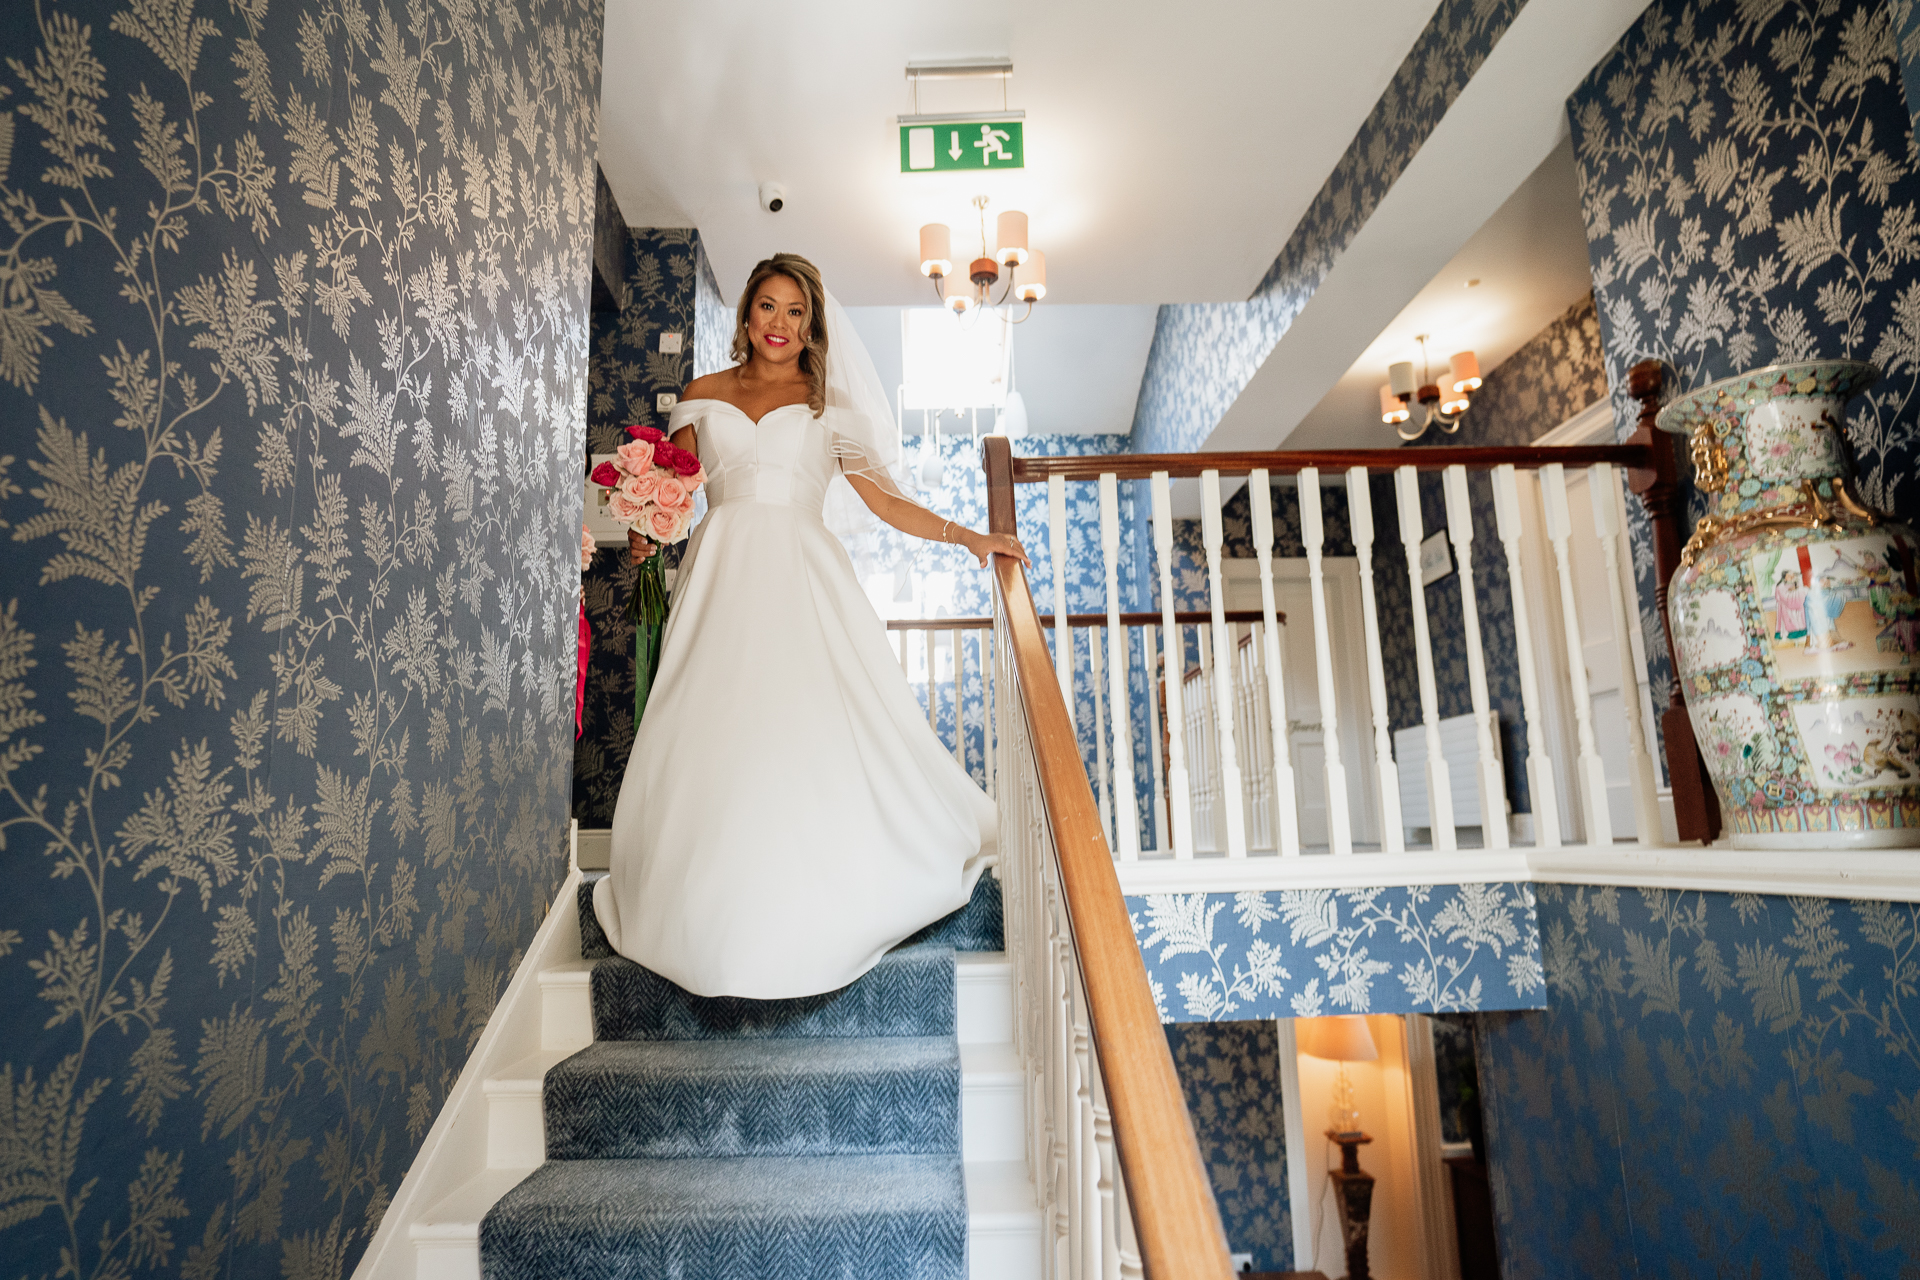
{"x":683,"y":462}
{"x":606,"y":475}
{"x":652,"y":435}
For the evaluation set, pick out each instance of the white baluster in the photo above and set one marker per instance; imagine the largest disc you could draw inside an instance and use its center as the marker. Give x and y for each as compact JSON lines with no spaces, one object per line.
{"x":1492,"y":785}
{"x":1102,"y":776}
{"x":933,"y":687}
{"x":1204,"y":749}
{"x":987,"y":739}
{"x":1130,"y":1268}
{"x":959,"y":703}
{"x":1179,"y":794}
{"x":906,"y":654}
{"x":1125,"y":804}
{"x":1604,"y":485}
{"x":1162,"y":838}
{"x":1540,"y":785}
{"x":1339,"y":819}
{"x":1406,"y":491}
{"x":1286,"y":813}
{"x":1062,"y":633}
{"x":1231,"y":798}
{"x":1360,"y":520}
{"x":1086,"y":1185}
{"x":1103,"y":1143}
{"x":1593,"y":774}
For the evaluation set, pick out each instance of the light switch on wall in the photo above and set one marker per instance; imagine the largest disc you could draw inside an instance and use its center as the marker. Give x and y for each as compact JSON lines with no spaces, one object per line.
{"x":1242,"y":1262}
{"x":669,"y":344}
{"x":665,"y":401}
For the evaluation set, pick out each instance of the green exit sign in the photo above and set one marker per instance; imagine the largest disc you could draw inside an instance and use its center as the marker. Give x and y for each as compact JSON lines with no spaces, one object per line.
{"x":962,"y":144}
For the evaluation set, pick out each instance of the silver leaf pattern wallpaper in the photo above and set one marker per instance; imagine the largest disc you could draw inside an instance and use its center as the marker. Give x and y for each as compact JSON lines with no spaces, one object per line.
{"x":293,"y":353}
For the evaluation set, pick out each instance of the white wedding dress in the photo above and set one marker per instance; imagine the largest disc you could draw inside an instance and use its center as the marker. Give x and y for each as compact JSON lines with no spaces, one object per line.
{"x":787,"y":816}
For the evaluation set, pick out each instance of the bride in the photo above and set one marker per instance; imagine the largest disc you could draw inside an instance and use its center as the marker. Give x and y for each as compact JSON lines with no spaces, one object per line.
{"x":787,"y":815}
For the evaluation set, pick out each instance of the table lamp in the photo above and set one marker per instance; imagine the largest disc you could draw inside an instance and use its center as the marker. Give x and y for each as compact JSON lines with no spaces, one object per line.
{"x":1342,"y":1040}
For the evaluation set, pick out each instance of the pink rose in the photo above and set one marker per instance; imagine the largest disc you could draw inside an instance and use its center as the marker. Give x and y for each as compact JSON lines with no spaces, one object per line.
{"x":643,"y":488}
{"x":670,"y":493}
{"x":624,"y":509}
{"x":586,"y":548}
{"x":636,"y":457}
{"x":652,"y":435}
{"x":663,"y":526}
{"x":606,"y":475}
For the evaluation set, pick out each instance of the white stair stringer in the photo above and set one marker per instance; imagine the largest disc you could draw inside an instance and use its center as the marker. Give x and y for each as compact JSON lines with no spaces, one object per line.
{"x":491,"y":1134}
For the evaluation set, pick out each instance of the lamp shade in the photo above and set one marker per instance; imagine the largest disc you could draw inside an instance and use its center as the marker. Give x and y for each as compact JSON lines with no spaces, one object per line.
{"x":1010,"y":238}
{"x":936,"y":249}
{"x":1392,"y":409}
{"x":1466,"y":373}
{"x":1032,"y":284}
{"x":1013,"y":416}
{"x":1339,"y":1039}
{"x":1452,"y":402}
{"x":1400,"y":377}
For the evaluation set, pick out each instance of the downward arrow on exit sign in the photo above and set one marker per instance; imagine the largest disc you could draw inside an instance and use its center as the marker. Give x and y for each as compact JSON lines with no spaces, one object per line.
{"x":962,"y":144}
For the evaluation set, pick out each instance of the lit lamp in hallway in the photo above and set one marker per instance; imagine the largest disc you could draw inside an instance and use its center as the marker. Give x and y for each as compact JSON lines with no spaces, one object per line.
{"x":1445,"y":400}
{"x":1025,"y":267}
{"x":1343,"y":1040}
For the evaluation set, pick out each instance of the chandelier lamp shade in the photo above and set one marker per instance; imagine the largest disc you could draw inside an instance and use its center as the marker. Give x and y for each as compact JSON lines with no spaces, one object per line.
{"x":1444,"y":400}
{"x":1024,"y":266}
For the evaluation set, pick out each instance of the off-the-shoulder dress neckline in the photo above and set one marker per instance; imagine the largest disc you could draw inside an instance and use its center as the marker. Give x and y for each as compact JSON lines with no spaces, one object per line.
{"x":796,"y":404}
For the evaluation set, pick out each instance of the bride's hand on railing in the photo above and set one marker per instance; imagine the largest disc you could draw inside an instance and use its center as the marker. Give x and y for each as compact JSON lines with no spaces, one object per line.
{"x":639,"y":546}
{"x":983,"y":545}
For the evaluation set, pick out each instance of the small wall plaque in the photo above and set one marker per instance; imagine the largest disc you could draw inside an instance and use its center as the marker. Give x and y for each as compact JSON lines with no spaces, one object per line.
{"x":1436,"y":559}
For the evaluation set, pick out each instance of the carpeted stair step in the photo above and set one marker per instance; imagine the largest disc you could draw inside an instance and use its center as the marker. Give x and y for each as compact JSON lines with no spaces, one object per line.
{"x":909,"y":993}
{"x":978,"y":926}
{"x":814,"y":1097}
{"x":897,"y":1217}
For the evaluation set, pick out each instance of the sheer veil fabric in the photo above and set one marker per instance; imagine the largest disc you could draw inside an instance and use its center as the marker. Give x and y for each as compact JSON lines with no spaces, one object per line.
{"x":787,"y":816}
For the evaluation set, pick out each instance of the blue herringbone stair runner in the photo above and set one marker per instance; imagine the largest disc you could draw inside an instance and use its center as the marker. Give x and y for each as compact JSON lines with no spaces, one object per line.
{"x":701,"y":1139}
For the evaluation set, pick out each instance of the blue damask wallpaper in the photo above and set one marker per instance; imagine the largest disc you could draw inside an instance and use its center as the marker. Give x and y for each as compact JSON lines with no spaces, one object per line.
{"x":1203,"y":354}
{"x":1430,"y":948}
{"x":294,"y":356}
{"x":666,"y":268}
{"x":1749,"y":186}
{"x":1230,"y":1073}
{"x":1721,"y":1085}
{"x":1556,"y":374}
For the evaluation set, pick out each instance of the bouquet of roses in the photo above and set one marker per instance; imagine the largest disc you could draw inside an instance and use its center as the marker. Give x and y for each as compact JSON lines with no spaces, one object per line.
{"x":650,"y":483}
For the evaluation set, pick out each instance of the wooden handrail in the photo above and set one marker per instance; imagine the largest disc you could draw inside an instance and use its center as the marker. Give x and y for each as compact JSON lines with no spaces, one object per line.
{"x":1138,"y":466}
{"x":1184,"y":619}
{"x":1175,"y":1218}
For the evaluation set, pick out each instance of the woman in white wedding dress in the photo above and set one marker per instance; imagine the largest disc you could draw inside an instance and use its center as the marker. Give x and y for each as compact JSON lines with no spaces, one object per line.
{"x":787,"y":816}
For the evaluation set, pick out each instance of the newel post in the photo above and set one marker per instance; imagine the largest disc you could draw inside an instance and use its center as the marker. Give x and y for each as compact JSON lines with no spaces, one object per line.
{"x":996,"y":459}
{"x":1696,"y":809}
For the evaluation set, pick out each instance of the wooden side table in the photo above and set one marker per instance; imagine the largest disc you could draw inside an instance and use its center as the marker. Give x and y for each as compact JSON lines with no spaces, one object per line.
{"x":1353,"y":1197}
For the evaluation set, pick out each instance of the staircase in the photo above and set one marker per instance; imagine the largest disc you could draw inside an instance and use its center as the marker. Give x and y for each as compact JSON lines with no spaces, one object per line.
{"x":873,"y":1131}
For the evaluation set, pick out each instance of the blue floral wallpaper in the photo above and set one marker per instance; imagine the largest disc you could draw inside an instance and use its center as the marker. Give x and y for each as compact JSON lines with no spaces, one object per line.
{"x":1748,"y":181}
{"x":293,"y":342}
{"x":1203,"y":354}
{"x":1230,"y":1073}
{"x":1307,"y":953}
{"x":667,"y":279}
{"x":1558,"y":372}
{"x":1722,"y":1085}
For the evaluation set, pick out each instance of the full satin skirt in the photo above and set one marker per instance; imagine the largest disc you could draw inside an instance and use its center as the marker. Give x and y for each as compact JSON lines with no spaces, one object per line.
{"x":787,"y":816}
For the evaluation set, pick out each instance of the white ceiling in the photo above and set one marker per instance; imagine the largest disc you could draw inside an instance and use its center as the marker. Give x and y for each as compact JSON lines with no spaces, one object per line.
{"x":1077,"y":367}
{"x":1170,"y":151}
{"x":1530,"y":259}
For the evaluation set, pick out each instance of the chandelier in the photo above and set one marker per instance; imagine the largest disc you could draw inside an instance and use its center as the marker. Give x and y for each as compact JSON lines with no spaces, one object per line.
{"x":1026,"y":269}
{"x":1444,"y":409}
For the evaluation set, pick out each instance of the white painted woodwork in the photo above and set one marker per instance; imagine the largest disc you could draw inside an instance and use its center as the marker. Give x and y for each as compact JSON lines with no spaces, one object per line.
{"x":1459,"y":736}
{"x":933,"y":686}
{"x":1231,"y":788}
{"x":1057,"y":546}
{"x":1162,"y":840}
{"x":1125,"y":801}
{"x":1603,"y":484}
{"x":1540,"y":783}
{"x":1491,"y":785}
{"x":1439,"y":1244}
{"x":1406,"y":486}
{"x":1360,"y":522}
{"x":1286,"y":813}
{"x":959,"y":701}
{"x":1102,"y":771}
{"x":1313,"y":536}
{"x":1597,"y":822}
{"x":986,"y":710}
{"x":1179,"y":791}
{"x":1203,"y":746}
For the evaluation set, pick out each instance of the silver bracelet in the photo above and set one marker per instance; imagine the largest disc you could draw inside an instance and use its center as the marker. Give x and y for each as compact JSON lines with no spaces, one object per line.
{"x":943,"y":531}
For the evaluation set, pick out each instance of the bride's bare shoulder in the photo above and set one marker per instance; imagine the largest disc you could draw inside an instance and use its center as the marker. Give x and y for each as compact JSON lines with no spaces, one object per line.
{"x":712,"y":386}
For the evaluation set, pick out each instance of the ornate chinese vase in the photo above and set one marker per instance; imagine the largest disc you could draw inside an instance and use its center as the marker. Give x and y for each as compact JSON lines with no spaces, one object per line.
{"x":1796,"y":618}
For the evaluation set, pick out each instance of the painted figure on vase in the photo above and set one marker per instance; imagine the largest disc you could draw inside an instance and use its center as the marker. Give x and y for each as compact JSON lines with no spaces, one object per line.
{"x":1789,"y":608}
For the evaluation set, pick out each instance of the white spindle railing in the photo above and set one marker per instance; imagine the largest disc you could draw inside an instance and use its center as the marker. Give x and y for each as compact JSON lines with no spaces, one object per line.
{"x":1593,"y":775}
{"x":1489,"y":782}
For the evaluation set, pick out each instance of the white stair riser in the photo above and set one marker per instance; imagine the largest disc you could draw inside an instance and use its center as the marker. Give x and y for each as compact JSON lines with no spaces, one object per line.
{"x":566,"y":1011}
{"x":516,"y":1128}
{"x":1004,"y":1253}
{"x":456,"y":1260}
{"x":984,"y":994}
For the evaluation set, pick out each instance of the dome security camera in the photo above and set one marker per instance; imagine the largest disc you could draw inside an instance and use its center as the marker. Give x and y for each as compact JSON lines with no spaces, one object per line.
{"x":773,"y":197}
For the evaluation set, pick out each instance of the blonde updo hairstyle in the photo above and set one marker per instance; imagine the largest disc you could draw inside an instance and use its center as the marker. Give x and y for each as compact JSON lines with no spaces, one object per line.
{"x":813,"y":347}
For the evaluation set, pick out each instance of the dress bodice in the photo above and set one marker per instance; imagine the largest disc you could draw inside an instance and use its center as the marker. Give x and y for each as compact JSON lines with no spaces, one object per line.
{"x":781,"y":460}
